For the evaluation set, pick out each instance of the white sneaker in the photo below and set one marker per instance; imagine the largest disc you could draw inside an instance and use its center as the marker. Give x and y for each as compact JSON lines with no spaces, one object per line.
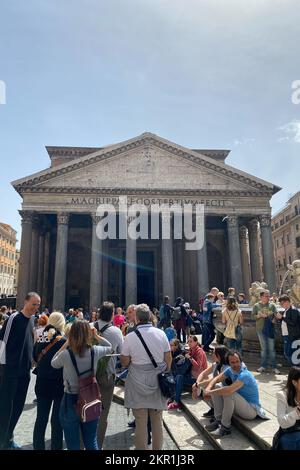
{"x":276,"y":371}
{"x":260,"y":369}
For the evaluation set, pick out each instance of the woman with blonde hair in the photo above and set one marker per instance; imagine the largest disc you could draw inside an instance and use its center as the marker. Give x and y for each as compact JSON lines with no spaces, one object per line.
{"x":233,"y":319}
{"x":80,"y":343}
{"x":49,"y":383}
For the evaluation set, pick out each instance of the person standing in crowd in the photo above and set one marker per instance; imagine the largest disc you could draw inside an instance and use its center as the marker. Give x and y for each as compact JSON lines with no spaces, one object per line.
{"x":208,"y":325}
{"x":264,"y":312}
{"x":233,"y":319}
{"x":16,"y":372}
{"x":49,"y":386}
{"x":288,"y":414}
{"x":130,"y":322}
{"x":142,"y":392}
{"x":241,"y":299}
{"x":231,"y":292}
{"x":240,"y":398}
{"x":197,"y":358}
{"x":80,"y":343}
{"x":290,"y":326}
{"x":107,"y":381}
{"x":42,"y":322}
{"x":119,"y":318}
{"x":165,"y":312}
{"x":181,"y":321}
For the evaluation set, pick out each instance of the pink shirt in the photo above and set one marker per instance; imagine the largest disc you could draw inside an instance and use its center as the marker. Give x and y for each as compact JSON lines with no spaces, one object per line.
{"x":198,"y":360}
{"x":118,"y":320}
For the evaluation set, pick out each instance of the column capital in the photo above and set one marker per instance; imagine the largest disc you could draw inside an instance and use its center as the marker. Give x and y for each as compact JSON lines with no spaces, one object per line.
{"x":95,"y":219}
{"x":63,"y":218}
{"x":27,"y":216}
{"x":253,"y":225}
{"x":265,"y":220}
{"x":232,"y":221}
{"x":243,"y":232}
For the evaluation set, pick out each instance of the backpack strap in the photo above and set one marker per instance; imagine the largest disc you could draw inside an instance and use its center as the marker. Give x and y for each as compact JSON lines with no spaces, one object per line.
{"x":105,"y":327}
{"x":73,"y":359}
{"x":146,"y":347}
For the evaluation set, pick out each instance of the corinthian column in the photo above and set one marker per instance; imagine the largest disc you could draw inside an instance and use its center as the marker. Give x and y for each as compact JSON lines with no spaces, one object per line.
{"x":245,"y":258}
{"x":268,"y":252}
{"x":59,"y":292}
{"x":131,"y":269}
{"x":168,"y":264}
{"x":34,"y":255}
{"x":25,"y":256}
{"x":234,"y":253}
{"x":254,"y":250}
{"x":96,"y":266}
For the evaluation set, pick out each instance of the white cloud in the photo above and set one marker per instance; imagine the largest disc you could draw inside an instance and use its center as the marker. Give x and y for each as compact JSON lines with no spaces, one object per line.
{"x":291,"y":131}
{"x":244,"y":141}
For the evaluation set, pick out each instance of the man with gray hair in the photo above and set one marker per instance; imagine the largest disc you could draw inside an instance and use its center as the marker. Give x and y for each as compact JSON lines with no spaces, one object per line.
{"x":142,"y":392}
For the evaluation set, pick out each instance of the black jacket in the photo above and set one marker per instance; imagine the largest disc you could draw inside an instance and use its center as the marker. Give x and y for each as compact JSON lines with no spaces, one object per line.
{"x":292,"y":320}
{"x":49,"y":381}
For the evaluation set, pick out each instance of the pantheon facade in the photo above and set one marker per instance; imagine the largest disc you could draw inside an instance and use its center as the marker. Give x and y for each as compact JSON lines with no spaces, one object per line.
{"x":64,"y":260}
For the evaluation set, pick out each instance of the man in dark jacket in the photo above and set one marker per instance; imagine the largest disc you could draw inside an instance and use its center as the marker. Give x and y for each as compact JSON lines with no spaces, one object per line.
{"x":15,"y":374}
{"x":290,"y":326}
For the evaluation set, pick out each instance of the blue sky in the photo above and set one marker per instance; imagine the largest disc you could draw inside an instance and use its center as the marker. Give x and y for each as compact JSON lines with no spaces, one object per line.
{"x":202,"y":73}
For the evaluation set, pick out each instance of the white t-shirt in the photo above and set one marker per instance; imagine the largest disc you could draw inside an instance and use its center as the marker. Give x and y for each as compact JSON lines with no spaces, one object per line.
{"x":155,"y":339}
{"x":284,"y":328}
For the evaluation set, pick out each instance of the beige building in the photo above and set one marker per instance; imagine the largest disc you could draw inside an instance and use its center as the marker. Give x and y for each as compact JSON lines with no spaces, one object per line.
{"x":16,"y":280}
{"x":64,"y":260}
{"x":286,"y":238}
{"x":7,"y":258}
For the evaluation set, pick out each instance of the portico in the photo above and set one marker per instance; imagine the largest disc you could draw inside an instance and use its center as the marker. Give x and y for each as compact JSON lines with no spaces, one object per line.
{"x":63,"y":258}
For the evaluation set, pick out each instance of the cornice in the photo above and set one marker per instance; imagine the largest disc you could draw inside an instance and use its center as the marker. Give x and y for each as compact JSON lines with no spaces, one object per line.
{"x":154,"y":191}
{"x":146,"y":139}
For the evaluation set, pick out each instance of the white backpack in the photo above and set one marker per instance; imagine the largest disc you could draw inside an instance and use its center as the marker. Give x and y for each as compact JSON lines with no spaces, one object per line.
{"x":3,"y":342}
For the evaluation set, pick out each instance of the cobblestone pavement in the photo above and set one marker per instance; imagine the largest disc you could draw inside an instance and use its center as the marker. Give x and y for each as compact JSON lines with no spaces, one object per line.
{"x":118,"y":436}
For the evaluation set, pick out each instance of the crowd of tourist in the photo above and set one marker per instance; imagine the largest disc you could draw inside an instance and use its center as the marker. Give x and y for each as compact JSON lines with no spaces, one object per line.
{"x":136,"y":346}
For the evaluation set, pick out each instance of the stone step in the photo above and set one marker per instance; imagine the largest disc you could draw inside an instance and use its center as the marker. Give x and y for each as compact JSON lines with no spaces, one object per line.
{"x":187,"y":427}
{"x":185,"y":435}
{"x":236,"y":441}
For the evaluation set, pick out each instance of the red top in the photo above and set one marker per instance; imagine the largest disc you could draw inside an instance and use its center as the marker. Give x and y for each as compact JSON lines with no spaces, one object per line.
{"x":198,"y":360}
{"x":118,"y":320}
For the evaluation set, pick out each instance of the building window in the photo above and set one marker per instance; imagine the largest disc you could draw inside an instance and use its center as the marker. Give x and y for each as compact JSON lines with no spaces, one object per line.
{"x":284,"y":263}
{"x":296,"y":210}
{"x":277,"y":243}
{"x":297,"y":242}
{"x":276,"y":225}
{"x":280,"y":278}
{"x":282,"y":241}
{"x":279,"y":264}
{"x":297,"y":227}
{"x":290,"y":259}
{"x":288,"y":239}
{"x":281,"y":221}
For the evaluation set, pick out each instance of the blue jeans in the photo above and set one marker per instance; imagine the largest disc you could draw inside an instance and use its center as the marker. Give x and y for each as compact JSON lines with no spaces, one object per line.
{"x":180,"y":382}
{"x":72,"y":425}
{"x":232,"y":343}
{"x":208,"y":335}
{"x":287,"y":348}
{"x":267,"y":346}
{"x":290,"y":441}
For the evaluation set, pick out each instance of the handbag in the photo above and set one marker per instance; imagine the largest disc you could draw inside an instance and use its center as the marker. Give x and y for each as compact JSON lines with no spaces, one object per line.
{"x":166,"y":380}
{"x":89,"y":405}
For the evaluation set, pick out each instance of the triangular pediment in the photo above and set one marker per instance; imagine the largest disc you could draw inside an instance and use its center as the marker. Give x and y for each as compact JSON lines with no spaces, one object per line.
{"x":146,"y":162}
